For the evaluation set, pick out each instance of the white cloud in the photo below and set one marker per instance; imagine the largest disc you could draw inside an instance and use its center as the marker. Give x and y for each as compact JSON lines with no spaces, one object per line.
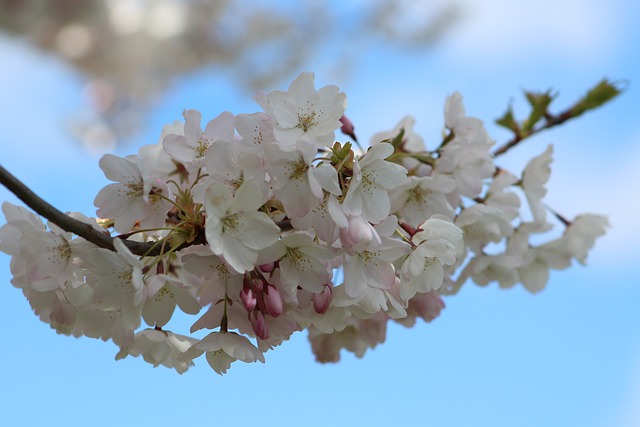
{"x":504,"y":30}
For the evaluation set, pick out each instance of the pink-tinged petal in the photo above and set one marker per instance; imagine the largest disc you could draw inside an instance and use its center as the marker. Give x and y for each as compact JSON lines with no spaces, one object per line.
{"x":217,"y":201}
{"x":220,"y":161}
{"x":220,"y":128}
{"x":239,"y":256}
{"x":192,"y":130}
{"x":303,"y":88}
{"x":314,"y":185}
{"x":258,"y":231}
{"x":353,"y":204}
{"x":213,"y":233}
{"x":116,"y":202}
{"x":186,"y":301}
{"x":433,"y":276}
{"x":256,"y":129}
{"x":297,"y":198}
{"x":386,"y":174}
{"x":177,"y":147}
{"x":327,"y":176}
{"x":158,"y":310}
{"x":355,"y":280}
{"x":219,"y":362}
{"x":534,"y":276}
{"x":413,"y":266}
{"x":248,"y":197}
{"x":283,"y":110}
{"x":393,"y":249}
{"x":376,"y":206}
{"x":120,"y":169}
{"x":210,"y":319}
{"x":377,"y":152}
{"x":382,"y":275}
{"x":270,"y":254}
{"x":337,"y":214}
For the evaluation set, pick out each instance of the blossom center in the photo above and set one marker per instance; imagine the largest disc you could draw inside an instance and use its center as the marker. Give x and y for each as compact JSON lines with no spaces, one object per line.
{"x":134,"y":189}
{"x":201,"y":147}
{"x":297,"y":169}
{"x":417,"y":194}
{"x":231,"y":222}
{"x":298,"y":259}
{"x":306,"y":120}
{"x":164,"y":292}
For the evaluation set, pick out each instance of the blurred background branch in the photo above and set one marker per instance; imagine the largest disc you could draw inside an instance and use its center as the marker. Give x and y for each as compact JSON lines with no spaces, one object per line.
{"x":130,"y":51}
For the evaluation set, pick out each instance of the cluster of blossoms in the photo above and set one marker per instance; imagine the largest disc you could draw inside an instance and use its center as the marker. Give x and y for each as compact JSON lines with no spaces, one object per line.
{"x":263,"y":225}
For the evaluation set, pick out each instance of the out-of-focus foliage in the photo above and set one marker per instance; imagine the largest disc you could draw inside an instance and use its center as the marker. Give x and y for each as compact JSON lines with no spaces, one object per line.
{"x":131,"y":50}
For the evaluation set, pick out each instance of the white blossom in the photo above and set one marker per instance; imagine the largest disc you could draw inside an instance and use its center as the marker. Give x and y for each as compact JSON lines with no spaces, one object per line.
{"x":438,"y":242}
{"x":159,"y":348}
{"x":190,"y":147}
{"x":302,"y":113}
{"x":133,"y":197}
{"x":373,"y":177}
{"x":534,"y":178}
{"x":222,"y":349}
{"x":235,"y":229}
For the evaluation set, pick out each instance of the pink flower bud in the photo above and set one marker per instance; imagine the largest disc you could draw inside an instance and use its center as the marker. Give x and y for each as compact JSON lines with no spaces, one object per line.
{"x":258,"y":324}
{"x":257,"y":284}
{"x":348,"y":128}
{"x":322,"y":300}
{"x":248,"y":299}
{"x":272,"y":301}
{"x":358,"y":234}
{"x":267,"y":268}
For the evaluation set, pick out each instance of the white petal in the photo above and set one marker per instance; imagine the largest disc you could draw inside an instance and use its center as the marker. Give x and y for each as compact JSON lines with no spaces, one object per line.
{"x":258,"y":230}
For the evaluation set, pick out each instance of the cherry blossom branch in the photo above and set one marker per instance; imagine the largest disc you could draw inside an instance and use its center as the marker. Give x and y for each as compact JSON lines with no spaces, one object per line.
{"x":77,"y":227}
{"x":550,"y":121}
{"x":601,"y":93}
{"x":87,"y":231}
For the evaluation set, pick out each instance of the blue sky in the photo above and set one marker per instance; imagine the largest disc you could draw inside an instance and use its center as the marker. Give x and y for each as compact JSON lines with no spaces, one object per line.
{"x":567,"y":356}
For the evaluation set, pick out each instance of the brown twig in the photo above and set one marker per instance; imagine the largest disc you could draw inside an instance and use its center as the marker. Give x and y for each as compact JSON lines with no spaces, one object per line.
{"x":75,"y":226}
{"x":86,"y":231}
{"x":550,"y":121}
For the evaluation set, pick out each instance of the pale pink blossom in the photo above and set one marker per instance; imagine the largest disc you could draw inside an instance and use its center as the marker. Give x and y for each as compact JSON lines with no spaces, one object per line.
{"x":373,"y":177}
{"x":190,"y":148}
{"x":222,"y":349}
{"x":302,"y":113}
{"x":159,"y":347}
{"x":235,"y":229}
{"x":133,"y":198}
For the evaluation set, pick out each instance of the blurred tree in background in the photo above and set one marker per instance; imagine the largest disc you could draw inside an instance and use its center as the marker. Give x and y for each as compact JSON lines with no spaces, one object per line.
{"x":130,"y":51}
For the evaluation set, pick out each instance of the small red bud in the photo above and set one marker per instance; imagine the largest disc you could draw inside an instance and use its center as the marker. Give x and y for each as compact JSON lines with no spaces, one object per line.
{"x":267,"y":268}
{"x":348,"y":128}
{"x":259,"y":324}
{"x":248,"y":299}
{"x":272,"y":301}
{"x":322,"y":300}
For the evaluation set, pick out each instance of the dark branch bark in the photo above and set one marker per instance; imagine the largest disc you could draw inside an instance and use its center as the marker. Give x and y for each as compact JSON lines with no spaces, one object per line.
{"x":89,"y":233}
{"x":75,"y":226}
